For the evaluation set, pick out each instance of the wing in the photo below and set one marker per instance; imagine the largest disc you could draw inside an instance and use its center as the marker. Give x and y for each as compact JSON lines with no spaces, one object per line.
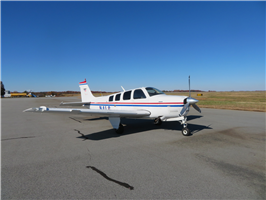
{"x":109,"y":113}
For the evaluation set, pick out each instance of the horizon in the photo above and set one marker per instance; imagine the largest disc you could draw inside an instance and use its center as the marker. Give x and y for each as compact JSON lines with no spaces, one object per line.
{"x":175,"y":90}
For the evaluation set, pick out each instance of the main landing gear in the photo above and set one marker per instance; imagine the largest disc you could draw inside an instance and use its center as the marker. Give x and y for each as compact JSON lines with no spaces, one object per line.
{"x":185,"y":130}
{"x":120,"y":129}
{"x":158,"y":121}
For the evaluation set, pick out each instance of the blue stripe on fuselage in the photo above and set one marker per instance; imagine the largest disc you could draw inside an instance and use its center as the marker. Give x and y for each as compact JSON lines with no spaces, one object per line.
{"x":137,"y":105}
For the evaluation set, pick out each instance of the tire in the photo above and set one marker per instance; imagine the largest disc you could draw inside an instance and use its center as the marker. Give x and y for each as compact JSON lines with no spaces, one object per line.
{"x":186,"y":132}
{"x":157,"y":121}
{"x":120,"y":130}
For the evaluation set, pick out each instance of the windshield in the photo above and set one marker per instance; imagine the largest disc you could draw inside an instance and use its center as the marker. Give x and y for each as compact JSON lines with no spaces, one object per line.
{"x":153,"y":91}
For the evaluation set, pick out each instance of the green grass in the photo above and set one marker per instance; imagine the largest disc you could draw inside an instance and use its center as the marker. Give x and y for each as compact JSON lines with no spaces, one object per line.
{"x":250,"y":101}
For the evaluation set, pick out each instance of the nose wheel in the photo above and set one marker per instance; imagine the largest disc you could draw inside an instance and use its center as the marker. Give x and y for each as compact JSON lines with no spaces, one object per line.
{"x":185,"y":130}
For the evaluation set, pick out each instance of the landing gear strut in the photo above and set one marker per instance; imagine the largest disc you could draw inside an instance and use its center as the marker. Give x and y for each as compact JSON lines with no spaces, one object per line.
{"x":120,"y":130}
{"x":158,"y":121}
{"x":185,"y":130}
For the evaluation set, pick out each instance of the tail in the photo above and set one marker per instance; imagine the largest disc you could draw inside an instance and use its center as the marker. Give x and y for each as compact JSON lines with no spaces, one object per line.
{"x":86,"y":95}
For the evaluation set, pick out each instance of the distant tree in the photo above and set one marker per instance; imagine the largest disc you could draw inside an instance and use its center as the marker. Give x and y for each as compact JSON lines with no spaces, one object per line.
{"x":2,"y":89}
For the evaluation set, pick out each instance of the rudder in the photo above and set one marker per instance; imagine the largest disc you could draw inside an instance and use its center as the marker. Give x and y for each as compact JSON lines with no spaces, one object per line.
{"x":86,"y":95}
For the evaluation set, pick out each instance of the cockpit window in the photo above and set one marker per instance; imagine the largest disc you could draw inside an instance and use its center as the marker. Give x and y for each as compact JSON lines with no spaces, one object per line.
{"x":153,"y":91}
{"x":138,"y":94}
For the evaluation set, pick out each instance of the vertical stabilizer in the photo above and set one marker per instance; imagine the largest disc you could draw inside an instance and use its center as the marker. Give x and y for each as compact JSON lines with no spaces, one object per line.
{"x":86,"y":95}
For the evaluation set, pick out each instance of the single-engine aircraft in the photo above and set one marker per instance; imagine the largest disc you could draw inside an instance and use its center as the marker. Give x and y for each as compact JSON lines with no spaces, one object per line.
{"x":145,"y":102}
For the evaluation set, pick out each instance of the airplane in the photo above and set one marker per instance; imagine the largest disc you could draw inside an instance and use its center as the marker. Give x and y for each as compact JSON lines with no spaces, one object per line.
{"x":144,"y":102}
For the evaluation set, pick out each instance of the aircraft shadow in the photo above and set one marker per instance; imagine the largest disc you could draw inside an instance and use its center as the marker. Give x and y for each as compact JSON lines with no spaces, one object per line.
{"x":133,"y":126}
{"x":191,"y":117}
{"x":98,"y":118}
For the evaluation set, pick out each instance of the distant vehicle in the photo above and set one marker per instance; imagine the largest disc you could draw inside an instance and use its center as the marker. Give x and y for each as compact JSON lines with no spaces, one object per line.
{"x":50,"y":96}
{"x":145,"y":102}
{"x":31,"y":95}
{"x":7,"y":93}
{"x":18,"y":94}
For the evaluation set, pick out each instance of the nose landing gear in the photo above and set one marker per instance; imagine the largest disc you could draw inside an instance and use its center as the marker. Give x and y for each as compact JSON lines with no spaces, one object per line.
{"x":185,"y":130}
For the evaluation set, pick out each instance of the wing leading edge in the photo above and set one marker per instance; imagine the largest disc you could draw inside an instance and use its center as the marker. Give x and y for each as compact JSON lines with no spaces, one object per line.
{"x":109,"y":113}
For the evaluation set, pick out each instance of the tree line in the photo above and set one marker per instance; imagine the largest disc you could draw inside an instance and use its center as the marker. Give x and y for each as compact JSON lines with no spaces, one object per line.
{"x":2,"y":89}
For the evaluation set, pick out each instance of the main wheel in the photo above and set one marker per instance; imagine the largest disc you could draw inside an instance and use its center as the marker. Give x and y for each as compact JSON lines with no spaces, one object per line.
{"x":157,"y":121}
{"x":186,"y":132}
{"x":120,"y":130}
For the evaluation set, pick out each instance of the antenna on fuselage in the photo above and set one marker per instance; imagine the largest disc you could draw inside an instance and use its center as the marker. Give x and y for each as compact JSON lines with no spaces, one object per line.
{"x":123,"y":88}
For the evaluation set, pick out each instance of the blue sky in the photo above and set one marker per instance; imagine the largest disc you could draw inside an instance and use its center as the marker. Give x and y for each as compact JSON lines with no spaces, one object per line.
{"x":54,"y":45}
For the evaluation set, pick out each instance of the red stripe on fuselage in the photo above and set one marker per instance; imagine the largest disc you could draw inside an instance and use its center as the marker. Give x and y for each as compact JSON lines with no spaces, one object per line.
{"x":137,"y":103}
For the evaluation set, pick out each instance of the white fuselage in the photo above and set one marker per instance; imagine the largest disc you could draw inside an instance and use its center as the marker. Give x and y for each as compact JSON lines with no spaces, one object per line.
{"x":160,"y":105}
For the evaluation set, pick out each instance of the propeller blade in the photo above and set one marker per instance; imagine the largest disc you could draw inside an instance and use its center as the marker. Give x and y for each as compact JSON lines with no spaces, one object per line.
{"x":196,"y":108}
{"x":189,"y":85}
{"x":189,"y":101}
{"x":184,"y":109}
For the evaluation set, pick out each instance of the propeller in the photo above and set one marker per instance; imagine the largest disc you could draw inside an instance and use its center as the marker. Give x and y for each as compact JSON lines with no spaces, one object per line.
{"x":189,"y":101}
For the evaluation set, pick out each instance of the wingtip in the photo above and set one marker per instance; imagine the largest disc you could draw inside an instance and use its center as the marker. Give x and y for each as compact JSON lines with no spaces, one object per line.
{"x":40,"y":109}
{"x":28,"y":110}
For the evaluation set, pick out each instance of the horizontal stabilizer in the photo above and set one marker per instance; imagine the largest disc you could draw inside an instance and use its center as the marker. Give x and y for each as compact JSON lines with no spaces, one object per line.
{"x":74,"y":103}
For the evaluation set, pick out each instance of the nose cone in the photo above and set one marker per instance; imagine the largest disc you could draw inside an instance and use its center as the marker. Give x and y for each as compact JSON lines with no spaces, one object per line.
{"x":192,"y":100}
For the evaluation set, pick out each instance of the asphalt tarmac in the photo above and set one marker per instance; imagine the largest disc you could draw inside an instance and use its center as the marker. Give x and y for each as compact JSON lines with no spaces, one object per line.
{"x":55,"y":156}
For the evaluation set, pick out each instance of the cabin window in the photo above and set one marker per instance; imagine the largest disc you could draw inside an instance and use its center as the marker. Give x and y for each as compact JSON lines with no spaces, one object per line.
{"x":117,"y":97}
{"x":139,"y":94}
{"x":111,"y":98}
{"x":127,"y":95}
{"x":153,"y":91}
